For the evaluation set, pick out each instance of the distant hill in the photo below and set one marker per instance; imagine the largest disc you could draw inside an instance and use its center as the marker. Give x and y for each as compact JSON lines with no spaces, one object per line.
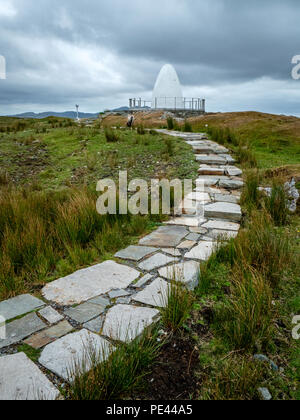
{"x":67,"y":114}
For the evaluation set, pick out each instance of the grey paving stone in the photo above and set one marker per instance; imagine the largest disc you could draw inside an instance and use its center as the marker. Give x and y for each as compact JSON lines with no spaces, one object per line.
{"x":211,"y":159}
{"x":226,"y":198}
{"x":61,"y":356}
{"x":171,"y":251}
{"x":199,"y":230}
{"x":51,"y":315}
{"x":19,"y":305}
{"x":187,"y":244}
{"x":144,"y":280}
{"x":223,"y":210}
{"x":222,"y":225}
{"x":135,"y":253}
{"x":49,"y":335}
{"x":186,"y":221}
{"x":202,"y":252}
{"x":125,"y":323}
{"x":84,"y":312}
{"x":95,"y":325}
{"x":229,"y":158}
{"x":21,"y":328}
{"x":223,"y":234}
{"x":21,"y":379}
{"x":210,"y":170}
{"x":124,"y":301}
{"x":89,"y":283}
{"x":156,"y":261}
{"x":100,"y":301}
{"x":156,"y":294}
{"x":187,"y":273}
{"x":193,"y":237}
{"x":231,"y":184}
{"x":198,"y":196}
{"x":118,"y":293}
{"x":233,"y":171}
{"x":165,"y":236}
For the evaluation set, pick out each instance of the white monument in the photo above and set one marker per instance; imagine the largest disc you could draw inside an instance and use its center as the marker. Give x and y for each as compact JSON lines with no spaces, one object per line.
{"x":167,"y":91}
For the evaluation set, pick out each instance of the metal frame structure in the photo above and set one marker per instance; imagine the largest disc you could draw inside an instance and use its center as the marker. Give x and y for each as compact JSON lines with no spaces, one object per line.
{"x":180,"y":104}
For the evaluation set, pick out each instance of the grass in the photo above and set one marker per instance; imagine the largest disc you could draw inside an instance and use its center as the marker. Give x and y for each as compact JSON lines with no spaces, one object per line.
{"x":119,"y":375}
{"x":178,"y":305}
{"x":49,"y":234}
{"x":57,"y":156}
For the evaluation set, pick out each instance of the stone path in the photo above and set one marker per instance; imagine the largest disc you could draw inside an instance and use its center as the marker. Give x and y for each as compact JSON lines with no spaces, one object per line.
{"x":100,"y":306}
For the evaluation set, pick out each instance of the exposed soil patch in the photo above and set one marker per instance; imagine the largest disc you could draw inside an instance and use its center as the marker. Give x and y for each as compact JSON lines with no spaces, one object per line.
{"x":172,"y":376}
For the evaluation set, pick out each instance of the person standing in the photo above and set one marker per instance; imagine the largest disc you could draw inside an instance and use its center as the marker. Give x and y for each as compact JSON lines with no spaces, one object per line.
{"x":130,"y":120}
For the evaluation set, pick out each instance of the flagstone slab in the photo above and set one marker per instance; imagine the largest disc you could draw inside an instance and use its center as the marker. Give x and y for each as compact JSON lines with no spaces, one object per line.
{"x":187,"y":273}
{"x":125,"y":322}
{"x":19,"y":305}
{"x":156,"y":294}
{"x":233,"y":171}
{"x":95,"y":325}
{"x":118,"y":293}
{"x":85,"y":312}
{"x":21,"y":379}
{"x":210,"y":170}
{"x":198,"y":196}
{"x":172,"y":251}
{"x":100,"y":301}
{"x":49,"y":335}
{"x":165,"y":237}
{"x":231,"y":184}
{"x":61,"y":356}
{"x":211,"y":159}
{"x":229,"y":159}
{"x":144,"y":280}
{"x":221,"y":210}
{"x":202,"y":252}
{"x":187,"y":245}
{"x":193,"y":237}
{"x":199,"y":230}
{"x":203,"y":149}
{"x":51,"y":315}
{"x":223,"y":234}
{"x":21,"y":328}
{"x":91,"y":282}
{"x":135,"y":253}
{"x":158,"y":260}
{"x":226,"y":198}
{"x":222,"y":225}
{"x":186,"y":221}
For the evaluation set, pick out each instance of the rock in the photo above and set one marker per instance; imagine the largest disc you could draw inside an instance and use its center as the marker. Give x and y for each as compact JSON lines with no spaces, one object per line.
{"x":45,"y":337}
{"x":222,"y":225}
{"x":211,"y":159}
{"x":265,"y":394}
{"x":226,"y":198}
{"x":135,"y":253}
{"x":100,"y":301}
{"x":187,"y":245}
{"x":263,"y":358}
{"x":85,"y":312}
{"x":19,"y":305}
{"x":95,"y":325}
{"x":292,"y":195}
{"x":222,"y":210}
{"x":231,"y":184}
{"x":233,"y":171}
{"x":144,"y":280}
{"x":21,"y":328}
{"x":125,"y":323}
{"x":198,"y":196}
{"x":199,"y":230}
{"x":89,"y":283}
{"x":210,"y":170}
{"x":187,"y":273}
{"x":51,"y":315}
{"x":223,"y":234}
{"x":171,"y":251}
{"x":156,"y":261}
{"x":202,"y":252}
{"x":156,"y":294}
{"x":21,"y":379}
{"x":186,"y":221}
{"x":193,"y":237}
{"x":229,"y":159}
{"x":165,"y":237}
{"x":118,"y":293}
{"x":61,"y":356}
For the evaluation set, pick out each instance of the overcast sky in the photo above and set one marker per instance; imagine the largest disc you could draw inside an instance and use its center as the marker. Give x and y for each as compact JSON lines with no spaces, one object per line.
{"x":98,"y":53}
